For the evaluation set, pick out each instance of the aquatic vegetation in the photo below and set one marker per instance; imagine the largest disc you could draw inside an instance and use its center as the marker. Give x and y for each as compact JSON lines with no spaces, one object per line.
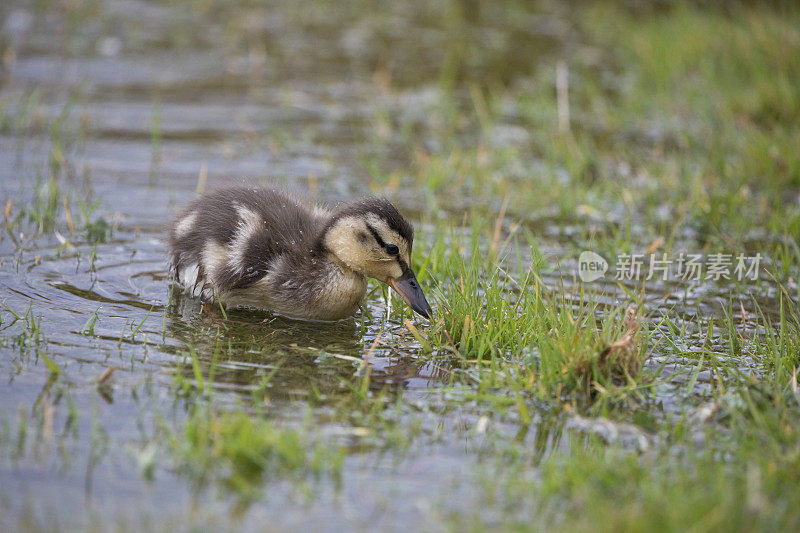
{"x":598,"y":483}
{"x":244,"y":450}
{"x":552,"y":341}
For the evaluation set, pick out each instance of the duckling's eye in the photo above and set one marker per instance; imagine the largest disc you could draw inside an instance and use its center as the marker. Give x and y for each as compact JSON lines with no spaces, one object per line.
{"x":392,"y":249}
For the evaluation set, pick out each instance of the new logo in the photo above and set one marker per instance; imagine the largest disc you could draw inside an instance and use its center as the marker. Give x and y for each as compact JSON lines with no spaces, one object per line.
{"x":591,"y":266}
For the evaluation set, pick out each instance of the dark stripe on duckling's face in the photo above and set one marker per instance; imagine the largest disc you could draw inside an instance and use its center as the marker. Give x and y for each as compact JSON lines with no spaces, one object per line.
{"x":390,"y":248}
{"x":377,"y":236}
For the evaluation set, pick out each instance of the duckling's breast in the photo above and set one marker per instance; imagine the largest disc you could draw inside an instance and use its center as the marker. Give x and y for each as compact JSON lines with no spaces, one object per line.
{"x":342,"y":294}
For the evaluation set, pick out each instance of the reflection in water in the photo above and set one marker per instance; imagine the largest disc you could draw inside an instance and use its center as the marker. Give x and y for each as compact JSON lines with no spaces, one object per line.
{"x":302,"y":356}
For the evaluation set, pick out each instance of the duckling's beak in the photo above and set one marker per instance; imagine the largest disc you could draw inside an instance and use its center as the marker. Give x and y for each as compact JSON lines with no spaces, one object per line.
{"x":409,"y":289}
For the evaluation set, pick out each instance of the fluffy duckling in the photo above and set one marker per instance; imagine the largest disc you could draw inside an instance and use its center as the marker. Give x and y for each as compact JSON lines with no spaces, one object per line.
{"x":264,"y":249}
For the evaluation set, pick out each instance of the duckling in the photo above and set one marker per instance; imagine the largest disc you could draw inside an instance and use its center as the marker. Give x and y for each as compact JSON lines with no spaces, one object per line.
{"x":265,"y":249}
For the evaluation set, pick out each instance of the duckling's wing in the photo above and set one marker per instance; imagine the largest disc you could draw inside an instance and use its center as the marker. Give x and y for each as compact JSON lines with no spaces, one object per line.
{"x":235,"y":236}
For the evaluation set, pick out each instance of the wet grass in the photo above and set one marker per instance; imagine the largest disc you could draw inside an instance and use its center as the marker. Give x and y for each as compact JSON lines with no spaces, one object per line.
{"x":671,"y":486}
{"x":573,"y":406}
{"x":521,"y":335}
{"x":243,"y":450}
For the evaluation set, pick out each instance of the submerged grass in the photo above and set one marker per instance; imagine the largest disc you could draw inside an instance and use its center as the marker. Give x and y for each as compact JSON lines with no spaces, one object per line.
{"x":664,"y":489}
{"x":243,"y":450}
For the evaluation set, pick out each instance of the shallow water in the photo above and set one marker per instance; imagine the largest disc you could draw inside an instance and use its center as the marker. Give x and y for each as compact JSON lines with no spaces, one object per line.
{"x":296,"y":97}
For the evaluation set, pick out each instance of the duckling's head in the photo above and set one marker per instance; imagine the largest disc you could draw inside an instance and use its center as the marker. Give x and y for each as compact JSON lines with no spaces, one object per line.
{"x":370,"y":237}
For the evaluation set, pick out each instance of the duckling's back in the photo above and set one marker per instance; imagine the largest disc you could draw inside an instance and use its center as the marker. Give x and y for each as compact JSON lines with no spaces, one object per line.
{"x":231,"y":238}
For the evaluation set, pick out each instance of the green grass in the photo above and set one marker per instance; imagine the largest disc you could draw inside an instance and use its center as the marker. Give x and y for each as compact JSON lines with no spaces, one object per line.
{"x":241,"y":451}
{"x":522,"y":335}
{"x":728,"y":484}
